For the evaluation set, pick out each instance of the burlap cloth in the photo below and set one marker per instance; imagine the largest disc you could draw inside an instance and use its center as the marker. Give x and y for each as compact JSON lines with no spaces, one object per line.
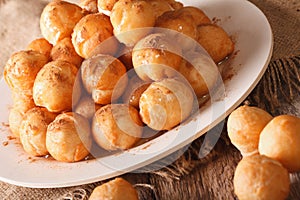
{"x":189,"y":177}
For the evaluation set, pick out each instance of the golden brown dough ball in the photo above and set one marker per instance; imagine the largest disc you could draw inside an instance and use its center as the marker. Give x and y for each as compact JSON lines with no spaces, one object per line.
{"x":87,"y":107}
{"x":181,"y":23}
{"x":68,"y":137}
{"x":58,"y":20}
{"x":117,"y":189}
{"x":89,"y":5}
{"x":33,"y":130}
{"x":260,"y":177}
{"x":198,"y":15}
{"x":215,"y":41}
{"x":202,"y":74}
{"x":40,"y":45}
{"x":244,"y":126}
{"x":156,"y":57}
{"x":91,"y":31}
{"x":165,"y":104}
{"x":128,"y":15}
{"x":56,"y":87}
{"x":15,"y":118}
{"x":280,"y":140}
{"x":104,"y":77}
{"x":117,"y":126}
{"x":64,"y":50}
{"x":21,"y":69}
{"x":134,"y":90}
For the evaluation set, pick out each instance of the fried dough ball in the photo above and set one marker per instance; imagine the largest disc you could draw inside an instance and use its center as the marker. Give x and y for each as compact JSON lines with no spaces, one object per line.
{"x":244,"y":127}
{"x":87,"y":107}
{"x":104,"y":77}
{"x":156,"y":57}
{"x":165,"y":104}
{"x":21,"y":69}
{"x":215,"y":41}
{"x":134,"y":90}
{"x":202,"y":74}
{"x":91,"y":31}
{"x":33,"y":130}
{"x":56,"y":86}
{"x":122,"y":15}
{"x":15,"y":118}
{"x":68,"y":137}
{"x":199,"y":17}
{"x":280,"y":140}
{"x":117,"y":126}
{"x":182,"y":24}
{"x":117,"y":189}
{"x":40,"y":45}
{"x":260,"y":177}
{"x":64,"y":50}
{"x":58,"y":20}
{"x":89,"y":5}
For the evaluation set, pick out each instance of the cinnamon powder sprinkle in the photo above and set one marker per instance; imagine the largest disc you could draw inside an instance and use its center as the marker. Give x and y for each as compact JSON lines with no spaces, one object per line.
{"x":5,"y":143}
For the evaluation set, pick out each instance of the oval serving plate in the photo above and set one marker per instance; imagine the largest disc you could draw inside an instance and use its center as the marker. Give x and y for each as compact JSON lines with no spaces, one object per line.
{"x":253,"y":48}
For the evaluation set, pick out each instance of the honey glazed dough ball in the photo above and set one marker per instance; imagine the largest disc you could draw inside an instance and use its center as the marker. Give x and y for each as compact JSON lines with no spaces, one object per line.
{"x":104,"y":77}
{"x":93,"y":34}
{"x":117,"y":189}
{"x":56,"y":86}
{"x":244,"y":127}
{"x":280,"y":140}
{"x":134,"y":90}
{"x":260,"y":177}
{"x":21,"y":69}
{"x":90,"y":6}
{"x":198,"y":15}
{"x":156,"y":57}
{"x":215,"y":41}
{"x":87,"y":107}
{"x":202,"y":74}
{"x":58,"y":19}
{"x":126,"y":29}
{"x":40,"y":45}
{"x":117,"y":126}
{"x":184,"y":26}
{"x":165,"y":104}
{"x":64,"y":50}
{"x":68,"y":137}
{"x":33,"y":130}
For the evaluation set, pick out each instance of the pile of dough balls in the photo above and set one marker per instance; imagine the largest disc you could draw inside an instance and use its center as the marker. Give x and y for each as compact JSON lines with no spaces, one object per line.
{"x":72,"y":88}
{"x":271,"y":150}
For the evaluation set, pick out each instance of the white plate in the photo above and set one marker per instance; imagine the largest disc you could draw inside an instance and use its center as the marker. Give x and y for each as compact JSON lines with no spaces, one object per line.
{"x":254,"y":43}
